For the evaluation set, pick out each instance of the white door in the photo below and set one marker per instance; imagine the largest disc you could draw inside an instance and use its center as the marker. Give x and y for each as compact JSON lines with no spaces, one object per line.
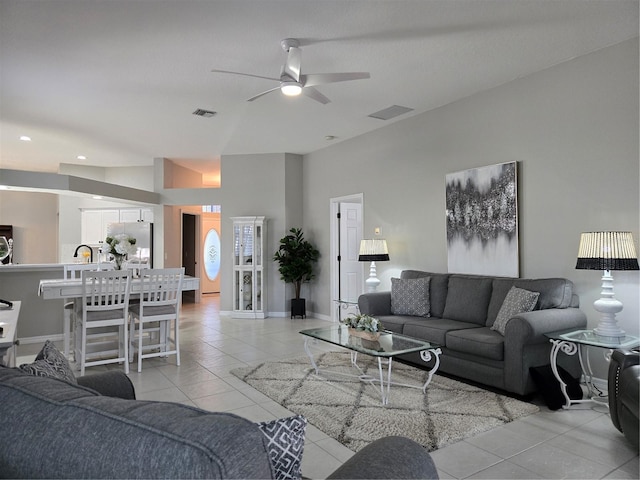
{"x":346,"y":272}
{"x":350,"y":235}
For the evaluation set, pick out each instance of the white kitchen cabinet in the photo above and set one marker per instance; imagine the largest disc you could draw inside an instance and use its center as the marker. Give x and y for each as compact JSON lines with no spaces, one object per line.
{"x":94,"y":221}
{"x":94,"y":224}
{"x":128,"y":215}
{"x":249,"y":275}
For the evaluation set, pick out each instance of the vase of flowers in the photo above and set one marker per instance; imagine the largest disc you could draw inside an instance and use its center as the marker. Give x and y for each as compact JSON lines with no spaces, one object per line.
{"x":363,"y":326}
{"x":120,"y":246}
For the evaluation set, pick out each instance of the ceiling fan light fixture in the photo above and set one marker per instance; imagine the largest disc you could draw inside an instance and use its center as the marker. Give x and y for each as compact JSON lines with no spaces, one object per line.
{"x":291,"y":89}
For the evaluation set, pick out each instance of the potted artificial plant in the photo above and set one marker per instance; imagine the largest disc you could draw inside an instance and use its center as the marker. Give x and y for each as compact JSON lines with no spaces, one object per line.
{"x":296,"y":257}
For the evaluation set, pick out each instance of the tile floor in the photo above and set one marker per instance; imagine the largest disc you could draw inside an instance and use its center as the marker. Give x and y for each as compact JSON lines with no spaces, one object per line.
{"x":580,"y":443}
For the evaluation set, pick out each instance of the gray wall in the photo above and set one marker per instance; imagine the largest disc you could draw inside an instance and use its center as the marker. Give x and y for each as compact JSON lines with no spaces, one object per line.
{"x":268,"y":185}
{"x":573,"y":128}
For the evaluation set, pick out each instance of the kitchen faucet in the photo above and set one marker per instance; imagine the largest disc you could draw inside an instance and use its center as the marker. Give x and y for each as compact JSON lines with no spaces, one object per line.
{"x":75,"y":254}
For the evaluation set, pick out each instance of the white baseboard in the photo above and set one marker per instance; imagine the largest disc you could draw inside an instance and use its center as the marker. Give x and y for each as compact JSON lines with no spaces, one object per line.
{"x":41,"y":339}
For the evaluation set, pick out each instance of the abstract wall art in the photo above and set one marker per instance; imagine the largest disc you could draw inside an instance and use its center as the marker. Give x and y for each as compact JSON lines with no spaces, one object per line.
{"x":482,"y":221}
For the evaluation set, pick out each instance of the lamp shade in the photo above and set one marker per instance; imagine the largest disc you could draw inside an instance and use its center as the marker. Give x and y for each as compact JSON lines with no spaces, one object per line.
{"x":373,"y":250}
{"x":607,"y":251}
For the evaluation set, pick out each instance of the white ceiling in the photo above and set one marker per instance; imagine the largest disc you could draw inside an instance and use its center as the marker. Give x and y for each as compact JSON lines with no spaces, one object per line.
{"x":118,"y":80}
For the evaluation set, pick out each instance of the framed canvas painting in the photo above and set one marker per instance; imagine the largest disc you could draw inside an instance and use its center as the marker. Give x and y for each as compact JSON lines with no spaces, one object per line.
{"x":482,"y":221}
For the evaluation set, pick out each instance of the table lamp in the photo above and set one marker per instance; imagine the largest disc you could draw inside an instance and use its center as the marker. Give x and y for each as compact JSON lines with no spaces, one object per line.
{"x":373,"y":250}
{"x":607,"y":251}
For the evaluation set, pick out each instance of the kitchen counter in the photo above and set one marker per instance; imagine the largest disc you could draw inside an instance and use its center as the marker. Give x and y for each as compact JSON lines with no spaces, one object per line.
{"x":25,"y":267}
{"x":39,"y":319}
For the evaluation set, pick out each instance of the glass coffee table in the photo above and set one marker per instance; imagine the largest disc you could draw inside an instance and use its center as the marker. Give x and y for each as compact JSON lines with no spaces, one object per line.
{"x":574,"y":341}
{"x":385,"y":348}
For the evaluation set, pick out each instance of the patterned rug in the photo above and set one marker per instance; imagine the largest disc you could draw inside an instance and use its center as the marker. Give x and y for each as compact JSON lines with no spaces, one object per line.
{"x":351,"y":411}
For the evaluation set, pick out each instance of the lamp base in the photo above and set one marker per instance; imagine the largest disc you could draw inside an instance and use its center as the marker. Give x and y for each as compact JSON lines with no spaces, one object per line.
{"x":373,"y":281}
{"x":608,"y":329}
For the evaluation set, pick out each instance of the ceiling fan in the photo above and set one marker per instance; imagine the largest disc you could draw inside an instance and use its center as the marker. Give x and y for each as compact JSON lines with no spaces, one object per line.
{"x":292,"y":82}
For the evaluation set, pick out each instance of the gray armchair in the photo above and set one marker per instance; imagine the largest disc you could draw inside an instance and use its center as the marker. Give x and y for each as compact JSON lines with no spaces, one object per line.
{"x":624,"y":389}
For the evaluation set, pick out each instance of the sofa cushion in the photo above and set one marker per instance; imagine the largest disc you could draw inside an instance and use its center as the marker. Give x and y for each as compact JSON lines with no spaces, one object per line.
{"x":285,"y":438}
{"x":119,"y":438}
{"x":410,"y":296}
{"x":433,"y":329}
{"x":517,"y":301}
{"x":394,"y":323}
{"x":468,"y":298}
{"x":554,"y":293}
{"x":50,"y":362}
{"x":481,"y":341}
{"x":437,"y":289}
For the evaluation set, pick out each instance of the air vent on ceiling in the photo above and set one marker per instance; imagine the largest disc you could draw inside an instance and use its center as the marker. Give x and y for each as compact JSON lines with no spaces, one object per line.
{"x":204,"y":113}
{"x":392,"y":111}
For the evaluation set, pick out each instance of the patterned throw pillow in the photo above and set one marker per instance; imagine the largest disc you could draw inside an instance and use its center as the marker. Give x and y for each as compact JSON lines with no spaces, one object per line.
{"x":410,"y":296}
{"x":285,"y":444}
{"x":50,"y":362}
{"x":517,"y":301}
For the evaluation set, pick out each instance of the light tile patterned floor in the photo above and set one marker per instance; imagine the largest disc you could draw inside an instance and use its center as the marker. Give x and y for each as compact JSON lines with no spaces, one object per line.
{"x":579,"y":443}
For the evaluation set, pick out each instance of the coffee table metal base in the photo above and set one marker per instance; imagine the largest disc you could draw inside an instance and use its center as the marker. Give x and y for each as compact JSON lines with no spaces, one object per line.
{"x":384,"y":380}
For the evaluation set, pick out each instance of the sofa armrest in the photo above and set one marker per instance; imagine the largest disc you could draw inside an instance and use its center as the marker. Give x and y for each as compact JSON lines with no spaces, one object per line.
{"x":620,"y":359}
{"x":375,"y":303}
{"x":113,"y":383}
{"x":389,"y":457}
{"x":526,"y":346}
{"x":530,"y":327}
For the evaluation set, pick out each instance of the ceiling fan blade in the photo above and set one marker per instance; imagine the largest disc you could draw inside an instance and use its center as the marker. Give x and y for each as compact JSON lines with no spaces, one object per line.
{"x":316,"y":95}
{"x":323,"y":78}
{"x":292,"y":66}
{"x":245,"y":74}
{"x":263,"y":93}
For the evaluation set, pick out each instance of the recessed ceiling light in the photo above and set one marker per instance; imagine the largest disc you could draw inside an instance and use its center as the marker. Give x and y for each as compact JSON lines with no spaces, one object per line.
{"x":4,"y":187}
{"x":24,"y":138}
{"x":81,"y":157}
{"x":97,"y":197}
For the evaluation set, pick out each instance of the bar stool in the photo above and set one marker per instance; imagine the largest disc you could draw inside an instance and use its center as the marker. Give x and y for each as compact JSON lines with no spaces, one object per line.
{"x":154,"y":315}
{"x":105,"y":303}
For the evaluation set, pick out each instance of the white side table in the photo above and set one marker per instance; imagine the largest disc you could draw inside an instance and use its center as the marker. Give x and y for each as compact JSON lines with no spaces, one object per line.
{"x":9,"y":324}
{"x":346,"y":305}
{"x":571,"y":342}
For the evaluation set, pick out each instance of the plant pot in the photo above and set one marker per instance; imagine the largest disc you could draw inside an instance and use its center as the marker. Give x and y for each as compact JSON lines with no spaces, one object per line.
{"x":354,"y":332}
{"x":298,"y":308}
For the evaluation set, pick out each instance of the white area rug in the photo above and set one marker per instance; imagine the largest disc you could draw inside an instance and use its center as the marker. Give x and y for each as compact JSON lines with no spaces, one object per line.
{"x":351,"y":411}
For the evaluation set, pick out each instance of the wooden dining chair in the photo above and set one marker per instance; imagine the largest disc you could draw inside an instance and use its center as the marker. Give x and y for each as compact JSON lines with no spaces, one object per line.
{"x":154,"y":320}
{"x":73,"y":271}
{"x":105,"y":309}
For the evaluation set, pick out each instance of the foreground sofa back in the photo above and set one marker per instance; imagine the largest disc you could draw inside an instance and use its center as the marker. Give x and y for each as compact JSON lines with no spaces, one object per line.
{"x":52,"y":429}
{"x":463,"y":309}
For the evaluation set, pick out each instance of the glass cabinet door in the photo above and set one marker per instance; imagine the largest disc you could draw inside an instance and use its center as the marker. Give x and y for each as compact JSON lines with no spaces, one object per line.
{"x":248,"y":265}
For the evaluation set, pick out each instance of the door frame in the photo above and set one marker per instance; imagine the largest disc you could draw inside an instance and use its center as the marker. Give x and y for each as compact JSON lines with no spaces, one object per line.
{"x":334,"y":247}
{"x":197,"y":246}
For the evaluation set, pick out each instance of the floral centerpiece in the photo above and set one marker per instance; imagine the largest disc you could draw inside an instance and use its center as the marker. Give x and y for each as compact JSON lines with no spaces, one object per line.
{"x":120,"y":246}
{"x":363,"y":325}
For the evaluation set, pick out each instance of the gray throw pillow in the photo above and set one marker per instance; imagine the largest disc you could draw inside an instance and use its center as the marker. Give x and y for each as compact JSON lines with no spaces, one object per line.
{"x":517,"y":301}
{"x":410,"y":296}
{"x":285,"y":438}
{"x":50,"y":362}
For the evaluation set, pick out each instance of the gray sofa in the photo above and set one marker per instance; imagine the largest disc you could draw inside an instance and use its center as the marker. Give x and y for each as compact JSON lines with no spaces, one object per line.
{"x":462,"y":310}
{"x":52,"y":428}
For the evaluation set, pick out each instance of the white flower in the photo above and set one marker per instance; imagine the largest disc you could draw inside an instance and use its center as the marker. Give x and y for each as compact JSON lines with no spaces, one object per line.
{"x":363,"y":322}
{"x":121,"y":244}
